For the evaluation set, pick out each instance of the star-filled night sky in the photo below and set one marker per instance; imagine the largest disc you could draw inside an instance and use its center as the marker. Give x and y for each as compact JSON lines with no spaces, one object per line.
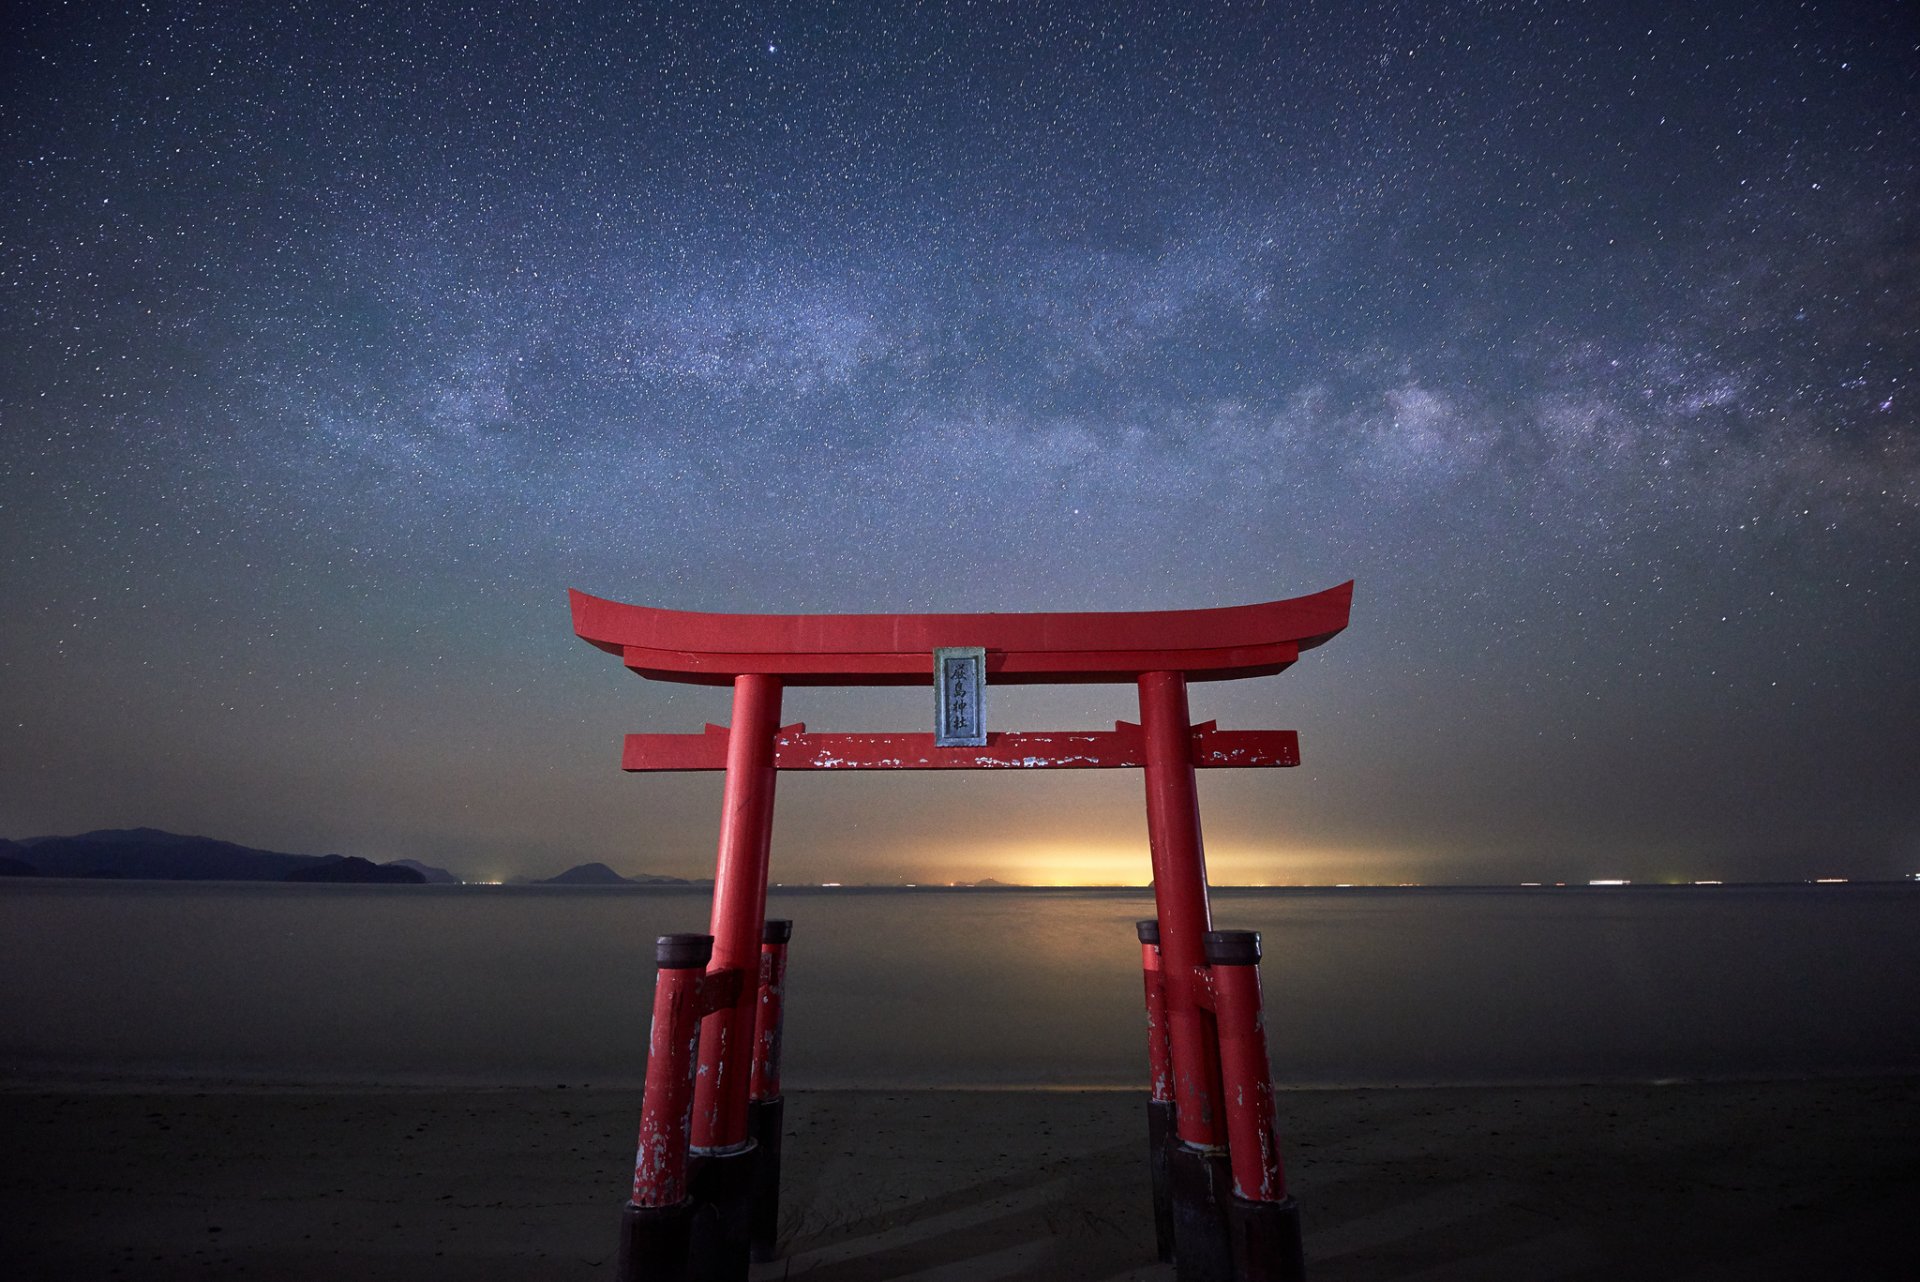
{"x":339,"y":340}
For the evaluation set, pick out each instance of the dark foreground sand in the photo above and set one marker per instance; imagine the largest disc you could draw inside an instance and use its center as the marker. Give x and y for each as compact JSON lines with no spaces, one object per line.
{"x":1743,"y":1181}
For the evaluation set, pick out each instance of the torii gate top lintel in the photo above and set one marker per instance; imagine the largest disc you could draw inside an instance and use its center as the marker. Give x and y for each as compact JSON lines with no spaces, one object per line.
{"x":1216,"y":644}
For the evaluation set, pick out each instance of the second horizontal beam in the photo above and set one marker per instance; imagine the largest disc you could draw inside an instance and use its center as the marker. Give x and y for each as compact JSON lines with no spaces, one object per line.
{"x":1121,"y":747}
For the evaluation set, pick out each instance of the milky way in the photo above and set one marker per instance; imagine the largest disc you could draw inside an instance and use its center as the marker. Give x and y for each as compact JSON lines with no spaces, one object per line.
{"x":339,"y":343}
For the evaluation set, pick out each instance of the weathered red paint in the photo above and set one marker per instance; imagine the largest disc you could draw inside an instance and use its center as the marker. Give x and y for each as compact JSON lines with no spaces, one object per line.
{"x":1121,"y":747}
{"x":1252,"y":1139}
{"x":769,"y":1020}
{"x":739,"y":912}
{"x":660,"y":1166}
{"x":895,"y":649}
{"x":1159,"y":1055}
{"x":683,"y":995}
{"x":1180,"y":903}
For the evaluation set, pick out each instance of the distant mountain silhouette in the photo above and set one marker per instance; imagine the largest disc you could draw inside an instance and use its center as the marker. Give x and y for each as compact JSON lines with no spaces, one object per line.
{"x":600,"y":875}
{"x":11,"y":867}
{"x":428,"y":873}
{"x":355,"y":869}
{"x":156,"y":855}
{"x":585,"y":875}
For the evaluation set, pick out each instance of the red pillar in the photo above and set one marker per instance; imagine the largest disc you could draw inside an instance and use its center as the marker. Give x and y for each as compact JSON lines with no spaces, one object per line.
{"x":660,"y":1170}
{"x":1263,"y":1222}
{"x":1159,"y":1059}
{"x":739,"y":912}
{"x":1180,"y":901}
{"x":1160,"y":1100}
{"x":1255,"y":1145}
{"x":656,"y":1228}
{"x":770,"y":1016}
{"x":766,"y":1108}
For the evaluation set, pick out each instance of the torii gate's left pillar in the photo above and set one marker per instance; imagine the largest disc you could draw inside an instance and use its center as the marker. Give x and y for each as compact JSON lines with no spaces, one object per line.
{"x":721,"y":1166}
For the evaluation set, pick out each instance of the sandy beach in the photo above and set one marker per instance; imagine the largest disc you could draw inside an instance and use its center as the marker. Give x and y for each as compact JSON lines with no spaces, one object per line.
{"x":1686,"y":1181}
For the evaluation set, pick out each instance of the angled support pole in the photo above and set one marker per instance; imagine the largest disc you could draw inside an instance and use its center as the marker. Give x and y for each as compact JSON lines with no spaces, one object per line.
{"x":1160,"y":1121}
{"x":1263,"y":1219}
{"x":656,"y":1227}
{"x":766,"y":1106}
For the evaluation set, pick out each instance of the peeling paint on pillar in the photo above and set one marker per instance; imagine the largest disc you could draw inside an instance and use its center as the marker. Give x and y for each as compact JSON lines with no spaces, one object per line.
{"x":680,"y":996}
{"x":1258,"y":1174}
{"x":1159,"y":1056}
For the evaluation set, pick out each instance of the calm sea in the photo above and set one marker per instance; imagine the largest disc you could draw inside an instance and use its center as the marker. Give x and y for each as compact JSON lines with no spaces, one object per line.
{"x":518,"y":985}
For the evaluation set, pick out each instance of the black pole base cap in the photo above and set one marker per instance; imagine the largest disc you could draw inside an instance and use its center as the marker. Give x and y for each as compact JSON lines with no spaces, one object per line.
{"x":764,"y":1120}
{"x":653,"y":1243}
{"x":1202,"y":1184}
{"x":1266,"y":1241}
{"x":683,"y":952}
{"x":721,"y":1188}
{"x":1232,"y":947}
{"x":1161,"y":1137}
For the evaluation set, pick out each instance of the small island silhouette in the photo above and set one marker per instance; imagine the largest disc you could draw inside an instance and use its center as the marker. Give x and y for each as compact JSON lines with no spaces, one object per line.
{"x":598,"y":874}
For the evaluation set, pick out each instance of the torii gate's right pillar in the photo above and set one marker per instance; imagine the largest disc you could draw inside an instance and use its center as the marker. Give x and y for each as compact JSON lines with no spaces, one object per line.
{"x":1224,"y":1226}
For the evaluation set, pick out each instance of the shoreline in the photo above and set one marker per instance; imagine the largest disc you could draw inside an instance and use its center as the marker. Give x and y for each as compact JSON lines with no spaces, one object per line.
{"x":15,"y":1080}
{"x":704,"y":886}
{"x":1698,"y":1181}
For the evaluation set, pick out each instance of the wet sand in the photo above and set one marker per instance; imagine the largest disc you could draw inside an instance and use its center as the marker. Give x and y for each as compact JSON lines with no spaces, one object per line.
{"x":1692,"y":1181}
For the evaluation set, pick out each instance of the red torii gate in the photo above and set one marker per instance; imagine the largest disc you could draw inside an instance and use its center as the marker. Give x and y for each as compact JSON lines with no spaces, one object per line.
{"x":706,"y":1178}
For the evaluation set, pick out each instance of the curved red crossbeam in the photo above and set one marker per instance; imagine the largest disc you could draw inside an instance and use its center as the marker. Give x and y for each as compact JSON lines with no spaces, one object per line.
{"x":1216,"y":644}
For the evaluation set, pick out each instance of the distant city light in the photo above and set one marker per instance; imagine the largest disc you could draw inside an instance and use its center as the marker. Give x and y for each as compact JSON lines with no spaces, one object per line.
{"x":1708,"y":883}
{"x":1610,"y":881}
{"x":1829,"y":881}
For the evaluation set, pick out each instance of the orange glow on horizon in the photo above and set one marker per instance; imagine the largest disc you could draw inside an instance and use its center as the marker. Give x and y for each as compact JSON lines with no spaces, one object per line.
{"x":1059,"y":864}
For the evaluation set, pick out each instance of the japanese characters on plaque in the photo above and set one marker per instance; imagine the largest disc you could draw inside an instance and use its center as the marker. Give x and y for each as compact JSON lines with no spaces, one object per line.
{"x":960,"y":696}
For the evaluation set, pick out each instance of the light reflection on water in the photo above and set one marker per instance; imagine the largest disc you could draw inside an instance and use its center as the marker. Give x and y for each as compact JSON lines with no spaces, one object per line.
{"x":900,"y":988}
